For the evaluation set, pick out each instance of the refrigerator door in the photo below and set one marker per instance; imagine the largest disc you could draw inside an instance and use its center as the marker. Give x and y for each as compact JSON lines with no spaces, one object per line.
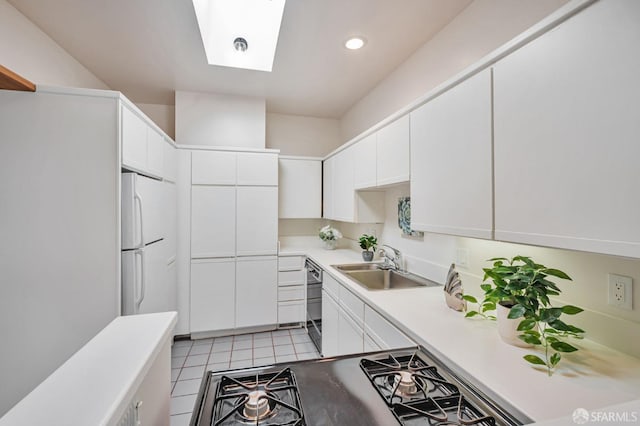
{"x":142,"y":209}
{"x":144,"y":280}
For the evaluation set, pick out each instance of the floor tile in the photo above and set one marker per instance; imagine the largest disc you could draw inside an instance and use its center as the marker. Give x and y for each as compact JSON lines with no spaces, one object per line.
{"x":200,"y":349}
{"x":281,"y":340}
{"x":177,"y":362}
{"x":217,"y":357}
{"x":308,"y":355}
{"x":186,"y":387}
{"x":179,"y":351}
{"x":258,"y":362}
{"x":262,"y":335}
{"x":192,"y":373}
{"x":297,"y":338}
{"x":285,"y":358}
{"x":222,"y":346}
{"x":203,"y":342}
{"x":243,"y":344}
{"x":242,"y":337}
{"x":223,"y":339}
{"x":263,"y":352}
{"x":241,"y":355}
{"x":193,"y":360}
{"x":262,"y":342}
{"x":183,"y":404}
{"x":174,"y":374}
{"x":284,"y":350}
{"x":304,"y":347}
{"x":180,"y":420}
{"x":295,"y":331}
{"x":182,"y":343}
{"x":280,"y":333}
{"x":220,"y":366}
{"x":244,"y":363}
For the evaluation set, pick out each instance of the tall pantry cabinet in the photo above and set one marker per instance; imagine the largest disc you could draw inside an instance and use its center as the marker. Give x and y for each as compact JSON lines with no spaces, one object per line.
{"x":234,"y":234}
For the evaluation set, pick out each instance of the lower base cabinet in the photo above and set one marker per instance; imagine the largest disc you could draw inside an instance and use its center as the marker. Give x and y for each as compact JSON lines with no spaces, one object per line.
{"x":330,"y":320}
{"x":350,"y":335}
{"x":256,"y":291}
{"x":213,"y":292}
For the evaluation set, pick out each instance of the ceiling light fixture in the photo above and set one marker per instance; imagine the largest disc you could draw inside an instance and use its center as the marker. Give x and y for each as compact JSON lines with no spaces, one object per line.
{"x":228,"y":26}
{"x":354,"y":43}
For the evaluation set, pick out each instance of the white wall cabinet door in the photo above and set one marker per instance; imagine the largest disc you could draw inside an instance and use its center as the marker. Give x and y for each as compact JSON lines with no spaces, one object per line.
{"x":134,"y":140}
{"x":343,"y":190}
{"x":256,"y":291}
{"x":330,"y":319}
{"x":328,"y":167}
{"x":393,"y":152}
{"x":300,"y":189}
{"x":213,"y":221}
{"x":257,"y":169}
{"x":213,"y":283}
{"x":364,"y":162}
{"x":170,"y":160}
{"x":155,"y":152}
{"x":257,"y":219}
{"x":350,"y":335}
{"x":213,"y":168}
{"x":451,"y":164}
{"x":566,"y":135}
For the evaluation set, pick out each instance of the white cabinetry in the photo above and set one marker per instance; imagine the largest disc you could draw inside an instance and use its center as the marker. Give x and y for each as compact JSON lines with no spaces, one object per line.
{"x":257,"y":220}
{"x":142,"y":145}
{"x":213,"y":221}
{"x":256,"y":291}
{"x":300,"y":188}
{"x":155,"y":152}
{"x":291,"y":290}
{"x":343,"y":190}
{"x":393,"y":153}
{"x":170,"y":169}
{"x":451,"y":164}
{"x":328,"y":167}
{"x":330,"y":319}
{"x":257,"y":169}
{"x":381,"y":334}
{"x":365,"y":154}
{"x":566,"y":135}
{"x":213,"y":168}
{"x":213,"y":292}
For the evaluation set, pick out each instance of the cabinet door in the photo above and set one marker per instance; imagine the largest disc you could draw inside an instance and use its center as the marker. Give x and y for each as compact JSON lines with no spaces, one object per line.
{"x":330,"y":319}
{"x":170,"y":172}
{"x":213,"y":283}
{"x":364,"y":163}
{"x":134,"y":140}
{"x":213,"y":221}
{"x":343,"y":191}
{"x":300,"y":189}
{"x":393,"y":152}
{"x":370,"y":345}
{"x":350,"y":335}
{"x":567,"y":127}
{"x":155,"y":152}
{"x":257,"y":230}
{"x":170,"y":219}
{"x":257,"y":169}
{"x":213,"y":167}
{"x":327,"y":188}
{"x":256,"y":292}
{"x":383,"y":333}
{"x":451,"y":165}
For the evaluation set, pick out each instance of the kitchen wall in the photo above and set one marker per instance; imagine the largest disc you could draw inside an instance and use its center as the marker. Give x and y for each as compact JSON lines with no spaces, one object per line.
{"x":299,"y":135}
{"x":433,"y":254}
{"x":478,"y":30}
{"x":28,"y":51}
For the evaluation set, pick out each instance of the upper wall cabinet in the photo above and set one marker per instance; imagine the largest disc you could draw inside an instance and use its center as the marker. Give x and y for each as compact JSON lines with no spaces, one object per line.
{"x":451,"y":177}
{"x":393,"y":152}
{"x":567,"y":133}
{"x":300,"y":188}
{"x":170,"y":167}
{"x":257,"y":169}
{"x":364,"y":164}
{"x":328,"y":167}
{"x":213,"y":168}
{"x":142,"y":145}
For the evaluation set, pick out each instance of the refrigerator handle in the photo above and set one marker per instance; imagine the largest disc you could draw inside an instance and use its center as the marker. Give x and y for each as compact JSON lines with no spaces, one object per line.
{"x":142,"y":280}
{"x":138,"y":198}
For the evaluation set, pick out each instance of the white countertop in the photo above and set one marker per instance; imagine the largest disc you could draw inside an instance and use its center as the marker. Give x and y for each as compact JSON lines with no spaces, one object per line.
{"x":592,"y":378}
{"x":95,"y":384}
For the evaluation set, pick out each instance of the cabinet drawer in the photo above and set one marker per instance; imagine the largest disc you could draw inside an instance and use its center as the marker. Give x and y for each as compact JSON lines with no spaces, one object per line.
{"x":331,"y":286}
{"x":291,"y":277}
{"x":352,"y":305}
{"x":290,"y":312}
{"x":291,"y":293}
{"x":290,"y":263}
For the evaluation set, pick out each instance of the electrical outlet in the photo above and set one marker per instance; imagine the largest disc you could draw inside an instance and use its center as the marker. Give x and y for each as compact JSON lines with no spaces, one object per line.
{"x":620,"y":291}
{"x":462,"y":257}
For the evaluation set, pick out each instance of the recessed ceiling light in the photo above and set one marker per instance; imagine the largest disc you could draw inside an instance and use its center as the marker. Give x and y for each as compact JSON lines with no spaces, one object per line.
{"x":354,"y":43}
{"x":229,"y":27}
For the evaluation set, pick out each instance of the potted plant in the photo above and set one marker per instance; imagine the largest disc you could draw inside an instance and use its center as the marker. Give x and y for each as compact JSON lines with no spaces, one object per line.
{"x":368,"y":244}
{"x":519,"y":289}
{"x":330,"y":236}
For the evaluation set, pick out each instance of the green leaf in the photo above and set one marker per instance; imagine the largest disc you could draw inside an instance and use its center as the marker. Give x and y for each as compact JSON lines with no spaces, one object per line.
{"x":526,"y":324}
{"x":488,"y":306}
{"x":551,"y":339}
{"x":555,"y":359}
{"x":471,"y":314}
{"x":559,"y":325}
{"x":486,"y":287}
{"x":563,"y":347}
{"x":495,"y":259}
{"x":470,"y":298}
{"x":530,"y":339}
{"x":550,"y":314}
{"x":532,"y":332}
{"x":534,"y":360}
{"x":571,"y":310}
{"x":516,"y":311}
{"x":557,"y":273}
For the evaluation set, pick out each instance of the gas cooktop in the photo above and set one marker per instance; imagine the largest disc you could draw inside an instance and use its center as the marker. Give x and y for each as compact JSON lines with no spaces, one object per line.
{"x":402,"y":387}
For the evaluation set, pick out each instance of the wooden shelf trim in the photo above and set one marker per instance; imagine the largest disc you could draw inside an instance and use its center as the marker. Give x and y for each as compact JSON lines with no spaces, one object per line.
{"x":12,"y":81}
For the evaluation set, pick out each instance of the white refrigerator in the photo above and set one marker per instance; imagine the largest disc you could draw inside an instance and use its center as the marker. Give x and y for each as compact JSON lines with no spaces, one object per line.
{"x":144,"y":282}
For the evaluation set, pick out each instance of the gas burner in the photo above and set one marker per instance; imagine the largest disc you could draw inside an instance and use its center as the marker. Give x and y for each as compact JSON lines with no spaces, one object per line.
{"x":453,"y":410}
{"x":258,"y":406}
{"x":405,"y":384}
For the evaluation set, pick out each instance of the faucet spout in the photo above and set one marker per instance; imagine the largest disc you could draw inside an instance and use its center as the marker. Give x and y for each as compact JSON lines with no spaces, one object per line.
{"x":394,"y":261}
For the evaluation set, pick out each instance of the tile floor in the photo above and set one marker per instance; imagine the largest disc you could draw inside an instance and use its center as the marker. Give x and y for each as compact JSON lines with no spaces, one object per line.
{"x":191,"y":358}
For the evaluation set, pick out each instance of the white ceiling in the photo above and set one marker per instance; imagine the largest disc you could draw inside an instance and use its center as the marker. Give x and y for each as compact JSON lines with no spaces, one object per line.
{"x":150,"y":48}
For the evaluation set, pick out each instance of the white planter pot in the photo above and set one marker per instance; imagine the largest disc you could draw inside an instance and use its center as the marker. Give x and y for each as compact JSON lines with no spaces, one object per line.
{"x":330,"y":244}
{"x":508,"y":328}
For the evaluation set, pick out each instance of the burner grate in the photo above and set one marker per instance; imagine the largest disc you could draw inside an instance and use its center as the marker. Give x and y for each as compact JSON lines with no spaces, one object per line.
{"x":453,"y":410}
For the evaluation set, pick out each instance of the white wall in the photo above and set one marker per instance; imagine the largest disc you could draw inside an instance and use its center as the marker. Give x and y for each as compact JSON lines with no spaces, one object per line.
{"x":29,"y":52}
{"x":220,"y":120}
{"x":299,"y":135}
{"x":478,"y":30}
{"x":163,"y":115}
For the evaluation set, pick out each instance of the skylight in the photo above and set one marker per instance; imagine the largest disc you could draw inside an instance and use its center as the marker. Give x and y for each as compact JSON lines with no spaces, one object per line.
{"x":240,"y":33}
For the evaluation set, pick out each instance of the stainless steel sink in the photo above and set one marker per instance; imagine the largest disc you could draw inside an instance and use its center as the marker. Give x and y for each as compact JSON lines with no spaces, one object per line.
{"x":370,"y":276}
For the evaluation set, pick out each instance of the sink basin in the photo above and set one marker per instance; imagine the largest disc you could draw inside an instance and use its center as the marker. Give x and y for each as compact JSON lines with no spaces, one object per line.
{"x":370,"y":276}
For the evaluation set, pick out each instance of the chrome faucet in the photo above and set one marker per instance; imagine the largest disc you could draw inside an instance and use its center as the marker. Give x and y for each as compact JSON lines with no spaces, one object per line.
{"x":391,"y":262}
